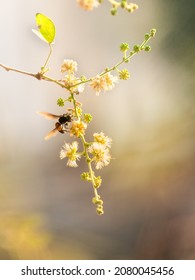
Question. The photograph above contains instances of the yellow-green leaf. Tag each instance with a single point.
(46, 28)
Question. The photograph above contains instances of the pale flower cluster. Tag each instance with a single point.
(102, 139)
(69, 65)
(78, 128)
(105, 82)
(88, 5)
(70, 80)
(70, 151)
(100, 150)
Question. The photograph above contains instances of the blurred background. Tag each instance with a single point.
(149, 187)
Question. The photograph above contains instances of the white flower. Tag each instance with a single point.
(101, 154)
(69, 65)
(102, 139)
(70, 151)
(72, 81)
(88, 4)
(110, 81)
(98, 84)
(105, 82)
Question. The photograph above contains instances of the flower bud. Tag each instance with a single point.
(147, 48)
(124, 74)
(60, 102)
(153, 32)
(136, 48)
(124, 47)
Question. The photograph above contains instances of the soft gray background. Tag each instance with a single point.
(148, 189)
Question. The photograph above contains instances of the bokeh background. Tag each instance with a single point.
(149, 187)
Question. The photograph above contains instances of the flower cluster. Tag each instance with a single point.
(96, 153)
(105, 82)
(70, 151)
(100, 150)
(73, 121)
(69, 66)
(70, 80)
(89, 5)
(78, 128)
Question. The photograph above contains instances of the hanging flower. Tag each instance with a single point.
(78, 128)
(70, 151)
(102, 139)
(101, 155)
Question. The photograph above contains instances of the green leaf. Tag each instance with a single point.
(46, 28)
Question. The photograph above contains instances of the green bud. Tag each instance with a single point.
(83, 78)
(79, 111)
(147, 48)
(87, 118)
(126, 60)
(147, 36)
(99, 210)
(124, 47)
(60, 102)
(69, 99)
(97, 181)
(153, 32)
(85, 176)
(124, 74)
(130, 10)
(97, 201)
(136, 48)
(123, 4)
(113, 11)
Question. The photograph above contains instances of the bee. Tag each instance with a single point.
(60, 125)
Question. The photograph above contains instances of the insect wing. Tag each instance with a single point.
(48, 115)
(52, 133)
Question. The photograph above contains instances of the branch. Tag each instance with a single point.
(38, 76)
(7, 68)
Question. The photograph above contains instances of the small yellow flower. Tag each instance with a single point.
(69, 65)
(78, 128)
(124, 74)
(102, 139)
(70, 151)
(88, 5)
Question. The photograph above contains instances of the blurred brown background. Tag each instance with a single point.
(149, 188)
